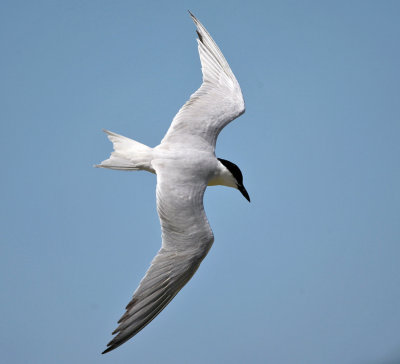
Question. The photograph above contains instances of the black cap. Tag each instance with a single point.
(237, 174)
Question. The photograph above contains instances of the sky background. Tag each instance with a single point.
(308, 272)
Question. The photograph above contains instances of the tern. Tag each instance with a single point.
(185, 164)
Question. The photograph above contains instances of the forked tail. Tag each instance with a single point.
(128, 154)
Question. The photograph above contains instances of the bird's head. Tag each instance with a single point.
(237, 177)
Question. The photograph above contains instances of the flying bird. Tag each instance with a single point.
(185, 164)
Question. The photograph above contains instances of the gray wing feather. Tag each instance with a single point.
(217, 102)
(186, 239)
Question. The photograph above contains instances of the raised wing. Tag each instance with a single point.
(186, 239)
(217, 102)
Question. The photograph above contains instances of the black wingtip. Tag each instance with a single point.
(196, 22)
(200, 36)
(193, 17)
(106, 351)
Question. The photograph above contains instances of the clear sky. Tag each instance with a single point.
(308, 272)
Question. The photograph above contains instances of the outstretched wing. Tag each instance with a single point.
(186, 239)
(217, 102)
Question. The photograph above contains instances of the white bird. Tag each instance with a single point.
(185, 164)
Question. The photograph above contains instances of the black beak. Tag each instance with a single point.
(244, 192)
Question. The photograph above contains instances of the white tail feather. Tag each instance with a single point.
(128, 154)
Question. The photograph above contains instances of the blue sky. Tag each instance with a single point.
(308, 272)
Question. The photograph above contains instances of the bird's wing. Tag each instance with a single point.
(186, 239)
(217, 102)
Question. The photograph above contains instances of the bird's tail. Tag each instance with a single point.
(128, 154)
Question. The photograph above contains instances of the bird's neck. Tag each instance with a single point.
(222, 177)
